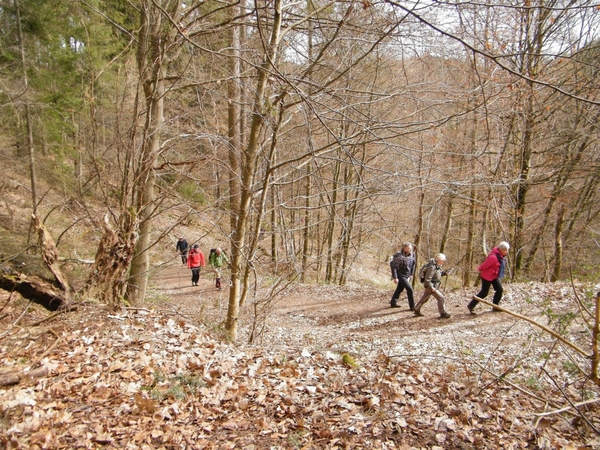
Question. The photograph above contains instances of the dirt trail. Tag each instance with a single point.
(351, 319)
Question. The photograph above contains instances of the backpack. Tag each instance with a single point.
(397, 262)
(423, 270)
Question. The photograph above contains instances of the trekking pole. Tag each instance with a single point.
(448, 272)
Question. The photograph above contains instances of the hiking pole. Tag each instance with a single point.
(448, 272)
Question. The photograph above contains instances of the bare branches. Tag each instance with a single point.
(539, 325)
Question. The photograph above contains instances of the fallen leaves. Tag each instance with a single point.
(144, 380)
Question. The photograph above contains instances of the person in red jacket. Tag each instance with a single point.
(492, 271)
(195, 261)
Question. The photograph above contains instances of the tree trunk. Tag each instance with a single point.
(420, 214)
(470, 238)
(50, 255)
(153, 39)
(447, 225)
(330, 233)
(307, 222)
(522, 188)
(108, 275)
(274, 226)
(248, 173)
(558, 244)
(29, 125)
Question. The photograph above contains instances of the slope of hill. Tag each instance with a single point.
(330, 367)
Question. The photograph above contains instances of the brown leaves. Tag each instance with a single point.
(145, 405)
(147, 381)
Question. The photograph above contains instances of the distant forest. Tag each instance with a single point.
(305, 136)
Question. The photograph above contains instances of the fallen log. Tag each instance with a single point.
(33, 288)
(14, 377)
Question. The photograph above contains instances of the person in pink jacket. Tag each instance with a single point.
(492, 271)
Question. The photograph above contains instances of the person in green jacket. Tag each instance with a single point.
(216, 259)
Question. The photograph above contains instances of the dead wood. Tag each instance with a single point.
(16, 376)
(71, 307)
(33, 288)
(113, 259)
(50, 254)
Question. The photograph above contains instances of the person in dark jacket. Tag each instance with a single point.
(195, 261)
(433, 277)
(182, 249)
(403, 268)
(492, 271)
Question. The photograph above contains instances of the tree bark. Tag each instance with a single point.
(31, 153)
(558, 244)
(50, 254)
(154, 39)
(15, 376)
(248, 174)
(108, 276)
(470, 244)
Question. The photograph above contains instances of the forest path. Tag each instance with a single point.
(357, 320)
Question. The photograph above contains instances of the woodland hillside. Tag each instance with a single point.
(303, 138)
(329, 367)
(307, 140)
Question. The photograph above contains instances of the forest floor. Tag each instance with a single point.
(328, 367)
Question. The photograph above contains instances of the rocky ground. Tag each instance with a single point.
(313, 367)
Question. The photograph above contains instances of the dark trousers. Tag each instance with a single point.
(184, 258)
(195, 274)
(404, 283)
(485, 288)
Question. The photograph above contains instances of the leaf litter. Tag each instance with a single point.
(164, 378)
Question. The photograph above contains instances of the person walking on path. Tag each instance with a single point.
(216, 259)
(433, 276)
(182, 249)
(402, 266)
(195, 261)
(492, 271)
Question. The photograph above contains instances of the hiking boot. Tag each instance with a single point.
(471, 310)
(445, 316)
(412, 308)
(418, 313)
(394, 305)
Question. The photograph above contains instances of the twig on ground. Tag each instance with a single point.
(48, 350)
(452, 358)
(50, 317)
(16, 322)
(566, 408)
(566, 397)
(580, 305)
(537, 324)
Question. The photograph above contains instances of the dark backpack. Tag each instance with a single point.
(423, 270)
(398, 261)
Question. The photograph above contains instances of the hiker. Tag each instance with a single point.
(216, 260)
(432, 277)
(492, 271)
(402, 266)
(195, 261)
(182, 249)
